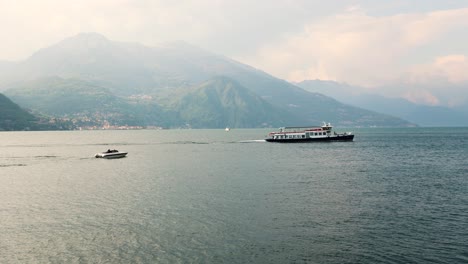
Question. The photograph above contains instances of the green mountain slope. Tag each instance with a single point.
(216, 103)
(62, 96)
(71, 98)
(12, 117)
(222, 102)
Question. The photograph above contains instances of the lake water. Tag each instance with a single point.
(210, 196)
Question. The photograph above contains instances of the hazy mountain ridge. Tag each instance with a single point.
(131, 70)
(423, 115)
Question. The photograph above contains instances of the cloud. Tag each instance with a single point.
(421, 97)
(365, 50)
(443, 81)
(226, 27)
(445, 69)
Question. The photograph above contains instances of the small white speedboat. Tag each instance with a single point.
(111, 154)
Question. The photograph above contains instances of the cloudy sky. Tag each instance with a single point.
(416, 49)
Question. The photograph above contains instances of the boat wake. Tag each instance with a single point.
(12, 165)
(184, 142)
(252, 141)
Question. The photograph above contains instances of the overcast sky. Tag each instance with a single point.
(417, 49)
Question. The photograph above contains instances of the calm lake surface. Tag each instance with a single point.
(210, 196)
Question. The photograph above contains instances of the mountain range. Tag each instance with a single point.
(423, 115)
(88, 77)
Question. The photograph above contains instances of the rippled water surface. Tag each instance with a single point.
(210, 196)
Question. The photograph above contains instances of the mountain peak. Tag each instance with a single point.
(87, 40)
(81, 42)
(90, 36)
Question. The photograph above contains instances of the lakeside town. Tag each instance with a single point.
(88, 123)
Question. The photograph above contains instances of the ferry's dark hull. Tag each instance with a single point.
(304, 140)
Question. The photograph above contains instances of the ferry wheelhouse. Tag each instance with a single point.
(308, 134)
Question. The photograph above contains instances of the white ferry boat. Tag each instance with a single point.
(308, 134)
